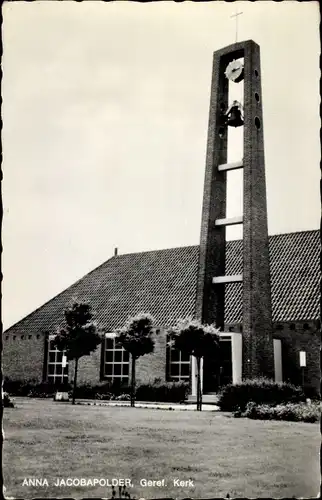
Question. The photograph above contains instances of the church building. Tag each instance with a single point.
(164, 283)
(261, 291)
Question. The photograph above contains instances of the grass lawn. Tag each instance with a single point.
(242, 457)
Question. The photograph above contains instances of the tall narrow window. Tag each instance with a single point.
(178, 365)
(57, 373)
(116, 360)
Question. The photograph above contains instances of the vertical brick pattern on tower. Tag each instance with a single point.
(210, 299)
(257, 322)
(257, 315)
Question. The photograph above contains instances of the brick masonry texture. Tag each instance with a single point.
(148, 367)
(25, 358)
(153, 366)
(210, 300)
(257, 311)
(88, 368)
(296, 337)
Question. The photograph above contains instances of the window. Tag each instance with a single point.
(116, 360)
(178, 365)
(56, 372)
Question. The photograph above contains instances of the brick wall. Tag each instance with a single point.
(152, 366)
(148, 367)
(88, 368)
(296, 336)
(23, 356)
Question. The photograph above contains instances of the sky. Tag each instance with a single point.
(105, 114)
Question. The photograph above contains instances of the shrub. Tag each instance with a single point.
(295, 412)
(104, 397)
(47, 390)
(105, 391)
(18, 387)
(7, 401)
(260, 391)
(171, 392)
(33, 388)
(156, 391)
(123, 397)
(312, 393)
(85, 391)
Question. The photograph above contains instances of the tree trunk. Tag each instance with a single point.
(133, 382)
(198, 385)
(75, 380)
(200, 388)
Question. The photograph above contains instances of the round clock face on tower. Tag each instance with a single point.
(235, 71)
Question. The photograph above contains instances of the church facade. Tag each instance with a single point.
(164, 283)
(262, 292)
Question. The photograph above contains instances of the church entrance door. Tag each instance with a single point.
(226, 365)
(217, 370)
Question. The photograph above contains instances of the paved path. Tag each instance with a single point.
(146, 404)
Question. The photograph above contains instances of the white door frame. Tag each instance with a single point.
(278, 367)
(194, 375)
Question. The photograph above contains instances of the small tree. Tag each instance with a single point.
(136, 338)
(79, 338)
(192, 337)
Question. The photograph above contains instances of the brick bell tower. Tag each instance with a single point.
(237, 62)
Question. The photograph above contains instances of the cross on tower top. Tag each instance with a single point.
(236, 18)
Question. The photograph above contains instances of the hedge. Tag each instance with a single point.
(155, 391)
(259, 391)
(32, 388)
(107, 390)
(295, 412)
(170, 392)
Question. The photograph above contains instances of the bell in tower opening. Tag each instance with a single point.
(235, 115)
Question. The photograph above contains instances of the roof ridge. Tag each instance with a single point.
(295, 232)
(228, 241)
(158, 250)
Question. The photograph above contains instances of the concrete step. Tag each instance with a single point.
(209, 399)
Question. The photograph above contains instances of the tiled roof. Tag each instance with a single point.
(295, 277)
(163, 282)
